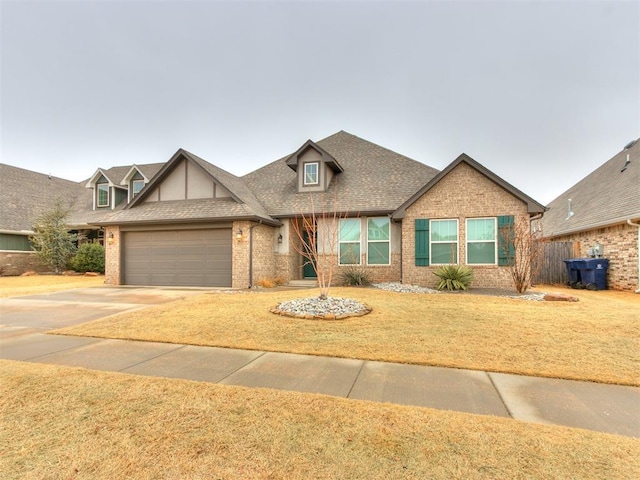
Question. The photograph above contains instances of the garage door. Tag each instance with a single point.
(198, 258)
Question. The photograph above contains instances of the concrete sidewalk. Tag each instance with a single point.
(605, 408)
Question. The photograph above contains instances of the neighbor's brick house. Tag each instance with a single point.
(603, 209)
(192, 223)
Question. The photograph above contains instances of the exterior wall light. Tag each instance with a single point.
(280, 238)
(110, 238)
(239, 235)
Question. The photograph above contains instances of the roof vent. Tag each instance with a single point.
(569, 211)
(626, 164)
(630, 144)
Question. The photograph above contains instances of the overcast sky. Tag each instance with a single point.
(539, 92)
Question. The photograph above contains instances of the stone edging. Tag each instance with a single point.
(327, 316)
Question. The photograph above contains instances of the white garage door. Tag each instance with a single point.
(197, 258)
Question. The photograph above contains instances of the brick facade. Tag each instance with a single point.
(14, 263)
(112, 252)
(463, 193)
(620, 244)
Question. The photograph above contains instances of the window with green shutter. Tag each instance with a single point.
(506, 248)
(422, 242)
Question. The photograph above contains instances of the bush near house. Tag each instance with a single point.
(454, 277)
(355, 276)
(89, 258)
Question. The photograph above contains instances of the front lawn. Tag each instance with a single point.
(594, 339)
(66, 423)
(38, 284)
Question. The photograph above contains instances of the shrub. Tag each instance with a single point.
(355, 276)
(271, 282)
(454, 277)
(89, 258)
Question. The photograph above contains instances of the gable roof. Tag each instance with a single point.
(373, 180)
(607, 196)
(148, 171)
(532, 205)
(242, 205)
(25, 194)
(327, 158)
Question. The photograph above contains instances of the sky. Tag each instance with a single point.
(539, 92)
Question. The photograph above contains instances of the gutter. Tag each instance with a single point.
(637, 225)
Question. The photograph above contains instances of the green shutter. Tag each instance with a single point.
(422, 242)
(506, 249)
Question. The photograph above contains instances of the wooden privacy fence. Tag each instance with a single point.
(548, 265)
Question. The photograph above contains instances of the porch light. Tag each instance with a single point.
(239, 235)
(110, 239)
(280, 238)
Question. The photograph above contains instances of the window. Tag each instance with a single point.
(481, 241)
(103, 194)
(378, 241)
(136, 186)
(349, 241)
(311, 173)
(443, 242)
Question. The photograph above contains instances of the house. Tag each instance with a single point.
(25, 194)
(601, 215)
(195, 224)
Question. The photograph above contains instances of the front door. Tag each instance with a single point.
(307, 269)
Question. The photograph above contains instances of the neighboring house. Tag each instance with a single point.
(24, 195)
(194, 224)
(601, 215)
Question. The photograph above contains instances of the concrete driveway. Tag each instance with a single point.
(20, 315)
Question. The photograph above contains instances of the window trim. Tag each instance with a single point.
(98, 189)
(317, 174)
(441, 242)
(387, 241)
(359, 241)
(133, 190)
(494, 241)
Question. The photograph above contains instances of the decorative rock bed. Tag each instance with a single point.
(333, 308)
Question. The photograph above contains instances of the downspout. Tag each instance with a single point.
(637, 225)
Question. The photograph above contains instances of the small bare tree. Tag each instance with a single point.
(521, 248)
(316, 240)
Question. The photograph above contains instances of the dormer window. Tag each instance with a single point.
(314, 168)
(103, 194)
(136, 186)
(311, 173)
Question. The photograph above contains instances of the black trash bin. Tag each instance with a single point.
(590, 273)
(593, 272)
(573, 273)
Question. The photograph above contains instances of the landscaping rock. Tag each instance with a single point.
(91, 274)
(314, 308)
(559, 297)
(403, 288)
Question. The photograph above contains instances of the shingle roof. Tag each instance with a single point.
(606, 196)
(182, 211)
(374, 179)
(25, 194)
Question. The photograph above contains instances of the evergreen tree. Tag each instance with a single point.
(51, 240)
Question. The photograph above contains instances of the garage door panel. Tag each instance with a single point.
(200, 257)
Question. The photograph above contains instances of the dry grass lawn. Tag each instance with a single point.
(66, 423)
(36, 284)
(594, 339)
